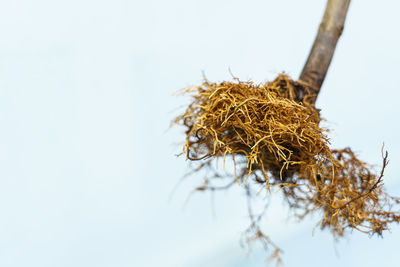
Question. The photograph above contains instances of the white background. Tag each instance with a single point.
(87, 163)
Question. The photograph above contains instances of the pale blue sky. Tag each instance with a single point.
(87, 164)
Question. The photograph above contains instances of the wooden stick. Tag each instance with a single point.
(321, 54)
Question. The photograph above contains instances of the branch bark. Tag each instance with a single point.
(319, 59)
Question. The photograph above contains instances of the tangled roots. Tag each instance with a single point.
(272, 133)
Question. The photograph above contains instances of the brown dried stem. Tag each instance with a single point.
(321, 54)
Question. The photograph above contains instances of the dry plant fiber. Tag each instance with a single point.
(272, 134)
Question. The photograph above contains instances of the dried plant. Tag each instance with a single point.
(272, 134)
(274, 138)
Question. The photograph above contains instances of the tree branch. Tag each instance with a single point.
(321, 54)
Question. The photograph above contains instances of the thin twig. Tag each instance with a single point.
(321, 54)
(378, 181)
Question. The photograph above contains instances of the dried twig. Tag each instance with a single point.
(321, 54)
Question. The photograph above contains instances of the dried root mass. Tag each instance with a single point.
(273, 135)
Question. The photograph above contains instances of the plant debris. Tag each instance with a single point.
(272, 134)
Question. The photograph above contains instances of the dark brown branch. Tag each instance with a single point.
(374, 186)
(321, 54)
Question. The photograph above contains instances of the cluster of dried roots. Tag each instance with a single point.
(272, 134)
